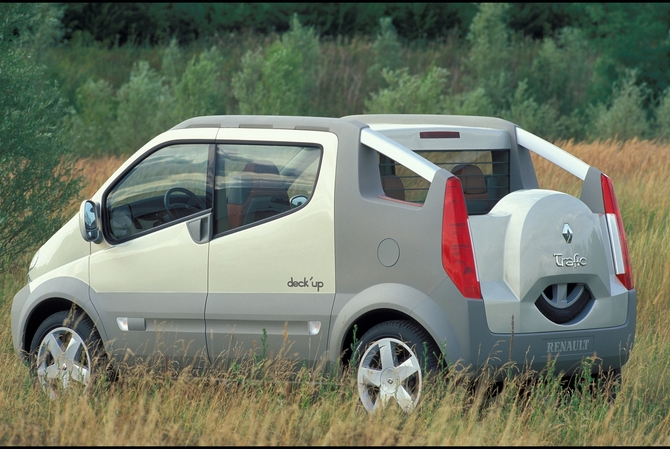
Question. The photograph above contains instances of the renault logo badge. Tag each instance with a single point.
(567, 233)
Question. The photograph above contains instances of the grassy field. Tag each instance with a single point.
(155, 409)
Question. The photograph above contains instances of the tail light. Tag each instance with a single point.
(617, 234)
(458, 256)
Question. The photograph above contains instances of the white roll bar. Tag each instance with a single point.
(552, 153)
(402, 155)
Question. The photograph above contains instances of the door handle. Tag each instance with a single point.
(200, 228)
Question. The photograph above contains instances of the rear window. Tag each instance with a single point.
(484, 176)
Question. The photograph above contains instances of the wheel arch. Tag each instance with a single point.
(387, 302)
(56, 295)
(364, 323)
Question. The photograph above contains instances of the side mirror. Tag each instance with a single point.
(89, 222)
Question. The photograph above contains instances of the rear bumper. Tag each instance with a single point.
(608, 348)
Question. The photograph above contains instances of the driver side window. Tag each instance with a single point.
(168, 185)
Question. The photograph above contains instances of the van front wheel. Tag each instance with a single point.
(66, 353)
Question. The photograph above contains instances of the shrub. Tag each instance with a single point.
(540, 119)
(200, 88)
(91, 127)
(474, 102)
(37, 175)
(489, 59)
(386, 47)
(662, 113)
(626, 117)
(560, 69)
(283, 78)
(171, 61)
(146, 109)
(410, 94)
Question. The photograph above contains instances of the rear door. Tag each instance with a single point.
(271, 260)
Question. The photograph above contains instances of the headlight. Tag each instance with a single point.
(33, 262)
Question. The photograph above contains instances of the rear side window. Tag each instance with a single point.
(484, 176)
(256, 182)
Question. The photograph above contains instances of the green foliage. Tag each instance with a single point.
(410, 94)
(540, 119)
(543, 20)
(549, 84)
(37, 176)
(171, 61)
(387, 48)
(111, 121)
(280, 80)
(156, 23)
(248, 85)
(304, 40)
(489, 60)
(474, 102)
(92, 126)
(629, 35)
(626, 116)
(663, 116)
(46, 28)
(561, 69)
(200, 88)
(146, 109)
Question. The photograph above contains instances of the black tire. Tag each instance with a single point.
(411, 355)
(562, 303)
(66, 353)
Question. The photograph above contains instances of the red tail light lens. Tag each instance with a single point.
(458, 257)
(617, 234)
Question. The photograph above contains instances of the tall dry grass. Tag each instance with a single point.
(157, 409)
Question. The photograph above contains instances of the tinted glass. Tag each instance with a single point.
(257, 182)
(168, 185)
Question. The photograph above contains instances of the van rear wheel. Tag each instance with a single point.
(395, 357)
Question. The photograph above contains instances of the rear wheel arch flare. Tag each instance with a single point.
(367, 321)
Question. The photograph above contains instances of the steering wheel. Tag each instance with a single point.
(187, 206)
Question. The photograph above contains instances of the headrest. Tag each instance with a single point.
(472, 178)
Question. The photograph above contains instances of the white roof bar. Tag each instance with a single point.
(552, 153)
(399, 153)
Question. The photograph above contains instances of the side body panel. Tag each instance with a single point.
(384, 245)
(158, 282)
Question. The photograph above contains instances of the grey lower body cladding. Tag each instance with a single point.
(608, 348)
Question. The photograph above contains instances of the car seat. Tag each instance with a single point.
(256, 193)
(474, 187)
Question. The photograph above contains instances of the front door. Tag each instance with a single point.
(149, 275)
